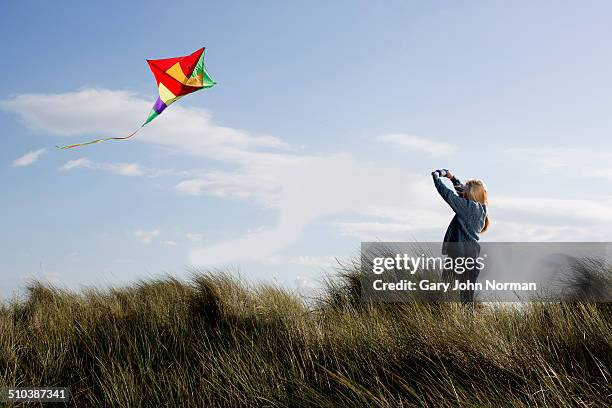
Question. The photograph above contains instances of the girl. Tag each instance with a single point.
(470, 220)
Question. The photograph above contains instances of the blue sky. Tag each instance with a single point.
(322, 132)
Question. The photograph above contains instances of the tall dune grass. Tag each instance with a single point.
(214, 341)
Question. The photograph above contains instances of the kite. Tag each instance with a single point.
(176, 77)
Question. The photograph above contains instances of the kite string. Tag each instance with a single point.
(99, 140)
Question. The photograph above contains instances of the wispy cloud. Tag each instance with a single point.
(300, 188)
(580, 211)
(169, 242)
(305, 188)
(194, 236)
(573, 162)
(603, 173)
(123, 169)
(146, 236)
(417, 144)
(302, 260)
(28, 158)
(513, 219)
(255, 185)
(93, 111)
(306, 285)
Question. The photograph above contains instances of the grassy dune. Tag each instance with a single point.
(216, 342)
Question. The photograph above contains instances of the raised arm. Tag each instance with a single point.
(453, 200)
(459, 187)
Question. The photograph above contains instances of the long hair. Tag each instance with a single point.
(476, 190)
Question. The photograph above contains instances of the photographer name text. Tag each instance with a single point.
(404, 284)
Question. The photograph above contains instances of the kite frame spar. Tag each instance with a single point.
(176, 77)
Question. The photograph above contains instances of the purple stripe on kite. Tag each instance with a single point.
(159, 106)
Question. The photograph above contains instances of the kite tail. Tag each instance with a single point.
(100, 140)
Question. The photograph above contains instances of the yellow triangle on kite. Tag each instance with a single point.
(176, 72)
(165, 95)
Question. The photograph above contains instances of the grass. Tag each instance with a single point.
(214, 341)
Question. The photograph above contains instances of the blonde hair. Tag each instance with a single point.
(476, 190)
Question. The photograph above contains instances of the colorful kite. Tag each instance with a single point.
(176, 77)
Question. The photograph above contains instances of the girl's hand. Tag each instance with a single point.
(444, 173)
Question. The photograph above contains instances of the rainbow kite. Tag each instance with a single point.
(176, 77)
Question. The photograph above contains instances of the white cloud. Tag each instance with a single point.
(307, 286)
(417, 144)
(426, 218)
(570, 210)
(603, 173)
(302, 188)
(194, 237)
(301, 260)
(225, 184)
(28, 158)
(571, 162)
(512, 219)
(123, 169)
(126, 169)
(375, 200)
(376, 230)
(307, 188)
(515, 230)
(169, 243)
(75, 164)
(116, 113)
(145, 236)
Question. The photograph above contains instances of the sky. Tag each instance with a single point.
(322, 132)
